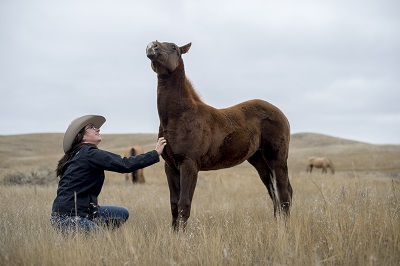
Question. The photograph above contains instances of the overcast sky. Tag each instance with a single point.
(333, 67)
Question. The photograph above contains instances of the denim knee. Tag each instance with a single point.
(67, 224)
(113, 216)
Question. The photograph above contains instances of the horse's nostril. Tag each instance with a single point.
(152, 56)
(149, 46)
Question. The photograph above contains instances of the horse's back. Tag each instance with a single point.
(255, 108)
(319, 161)
(259, 116)
(311, 159)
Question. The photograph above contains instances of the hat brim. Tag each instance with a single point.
(76, 125)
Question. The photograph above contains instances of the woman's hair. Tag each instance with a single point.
(76, 146)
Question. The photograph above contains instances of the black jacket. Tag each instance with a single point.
(85, 176)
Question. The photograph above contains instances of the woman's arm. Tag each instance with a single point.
(109, 161)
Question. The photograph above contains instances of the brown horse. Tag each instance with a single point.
(320, 162)
(201, 137)
(138, 175)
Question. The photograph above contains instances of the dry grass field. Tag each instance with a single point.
(350, 218)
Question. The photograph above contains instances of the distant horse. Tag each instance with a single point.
(320, 162)
(201, 137)
(138, 175)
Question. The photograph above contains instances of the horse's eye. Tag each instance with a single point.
(174, 47)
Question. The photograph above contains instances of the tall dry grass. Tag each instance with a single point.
(335, 220)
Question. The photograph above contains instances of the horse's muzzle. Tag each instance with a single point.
(152, 50)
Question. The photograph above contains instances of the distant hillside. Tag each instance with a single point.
(33, 151)
(302, 140)
(347, 155)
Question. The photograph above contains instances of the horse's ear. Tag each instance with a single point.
(184, 49)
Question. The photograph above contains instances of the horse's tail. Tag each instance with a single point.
(133, 152)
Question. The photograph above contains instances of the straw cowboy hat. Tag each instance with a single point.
(77, 124)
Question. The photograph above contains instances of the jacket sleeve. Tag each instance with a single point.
(109, 161)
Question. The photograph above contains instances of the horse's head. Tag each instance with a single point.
(165, 57)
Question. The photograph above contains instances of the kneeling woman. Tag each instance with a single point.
(81, 172)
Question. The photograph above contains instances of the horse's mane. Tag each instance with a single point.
(193, 92)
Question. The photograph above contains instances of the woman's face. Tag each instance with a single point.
(92, 135)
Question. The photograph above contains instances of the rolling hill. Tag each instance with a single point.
(34, 151)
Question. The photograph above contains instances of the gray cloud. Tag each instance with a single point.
(332, 67)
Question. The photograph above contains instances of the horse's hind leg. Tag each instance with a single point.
(274, 175)
(265, 175)
(284, 188)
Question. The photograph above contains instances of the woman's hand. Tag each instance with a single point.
(160, 145)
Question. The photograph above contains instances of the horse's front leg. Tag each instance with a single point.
(188, 180)
(173, 178)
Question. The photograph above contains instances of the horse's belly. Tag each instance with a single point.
(232, 152)
(220, 165)
(224, 160)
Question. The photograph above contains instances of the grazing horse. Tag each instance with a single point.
(201, 137)
(136, 176)
(320, 162)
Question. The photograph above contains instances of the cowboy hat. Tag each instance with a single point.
(77, 124)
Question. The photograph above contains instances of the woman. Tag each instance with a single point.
(81, 172)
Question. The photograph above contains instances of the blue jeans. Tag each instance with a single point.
(107, 217)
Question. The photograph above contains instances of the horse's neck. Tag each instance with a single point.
(175, 94)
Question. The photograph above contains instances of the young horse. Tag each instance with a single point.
(202, 138)
(320, 162)
(138, 175)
